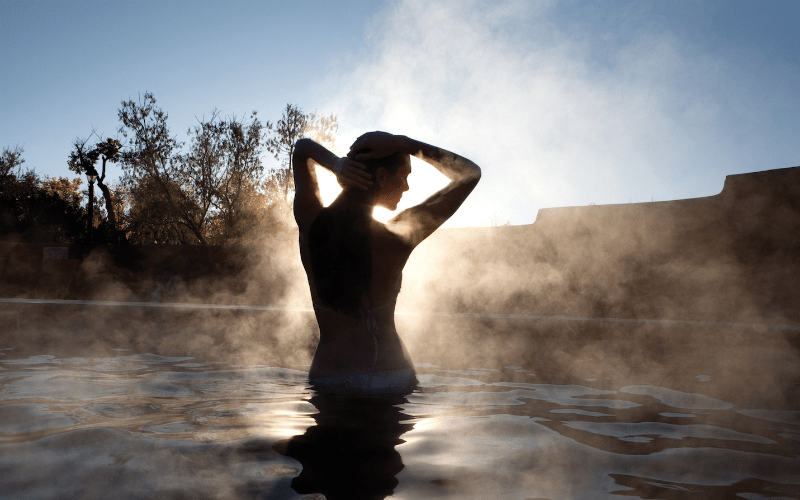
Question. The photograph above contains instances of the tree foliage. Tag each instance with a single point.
(38, 210)
(11, 161)
(211, 189)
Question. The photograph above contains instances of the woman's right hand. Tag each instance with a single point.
(380, 144)
(351, 173)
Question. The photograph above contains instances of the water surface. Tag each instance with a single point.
(146, 426)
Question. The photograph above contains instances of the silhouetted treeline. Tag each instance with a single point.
(214, 190)
(38, 209)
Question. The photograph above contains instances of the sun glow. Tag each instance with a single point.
(286, 422)
(423, 182)
(329, 188)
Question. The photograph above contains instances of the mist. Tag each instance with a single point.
(601, 347)
(642, 290)
(565, 104)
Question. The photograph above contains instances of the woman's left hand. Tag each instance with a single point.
(351, 173)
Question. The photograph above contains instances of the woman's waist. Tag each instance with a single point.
(399, 381)
(382, 317)
(378, 308)
(355, 332)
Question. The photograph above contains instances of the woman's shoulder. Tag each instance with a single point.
(389, 243)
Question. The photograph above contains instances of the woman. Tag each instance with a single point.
(354, 263)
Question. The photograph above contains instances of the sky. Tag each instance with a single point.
(561, 103)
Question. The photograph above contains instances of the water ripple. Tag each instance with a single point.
(141, 424)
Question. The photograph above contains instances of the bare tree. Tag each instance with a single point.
(108, 150)
(81, 161)
(294, 125)
(223, 167)
(152, 172)
(200, 196)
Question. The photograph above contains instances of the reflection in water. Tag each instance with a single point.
(350, 452)
(145, 426)
(665, 490)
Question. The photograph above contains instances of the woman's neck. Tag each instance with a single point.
(361, 201)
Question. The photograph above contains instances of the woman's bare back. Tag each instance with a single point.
(369, 343)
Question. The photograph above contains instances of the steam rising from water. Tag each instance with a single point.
(566, 107)
(526, 402)
(722, 259)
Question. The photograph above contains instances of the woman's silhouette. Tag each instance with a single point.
(354, 263)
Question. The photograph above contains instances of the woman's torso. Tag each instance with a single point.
(369, 343)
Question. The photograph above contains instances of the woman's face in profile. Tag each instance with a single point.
(392, 189)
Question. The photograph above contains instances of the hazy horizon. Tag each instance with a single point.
(560, 103)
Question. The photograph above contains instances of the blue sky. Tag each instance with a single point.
(560, 102)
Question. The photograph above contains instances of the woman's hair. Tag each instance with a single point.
(341, 246)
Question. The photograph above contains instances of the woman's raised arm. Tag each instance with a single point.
(307, 200)
(418, 222)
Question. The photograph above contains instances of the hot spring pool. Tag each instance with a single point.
(146, 426)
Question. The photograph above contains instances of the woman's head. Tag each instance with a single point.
(389, 178)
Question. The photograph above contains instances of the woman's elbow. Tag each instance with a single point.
(472, 177)
(475, 173)
(301, 151)
(302, 146)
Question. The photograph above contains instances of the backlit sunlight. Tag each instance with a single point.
(423, 182)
